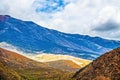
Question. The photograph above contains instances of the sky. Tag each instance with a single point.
(88, 17)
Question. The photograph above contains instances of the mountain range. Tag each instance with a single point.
(30, 37)
(47, 54)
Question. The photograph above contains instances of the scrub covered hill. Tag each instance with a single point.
(106, 67)
(14, 66)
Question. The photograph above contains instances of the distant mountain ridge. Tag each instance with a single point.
(31, 37)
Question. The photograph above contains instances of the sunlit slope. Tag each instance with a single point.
(62, 62)
(64, 65)
(53, 57)
(14, 66)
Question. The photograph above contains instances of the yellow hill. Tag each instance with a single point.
(53, 57)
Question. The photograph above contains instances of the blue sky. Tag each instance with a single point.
(88, 17)
(49, 6)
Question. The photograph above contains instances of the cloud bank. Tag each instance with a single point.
(88, 17)
(108, 26)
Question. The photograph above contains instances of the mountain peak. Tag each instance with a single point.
(106, 67)
(3, 17)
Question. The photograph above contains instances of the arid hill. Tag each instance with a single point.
(14, 66)
(64, 65)
(64, 59)
(106, 67)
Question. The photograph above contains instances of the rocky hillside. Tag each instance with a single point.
(106, 67)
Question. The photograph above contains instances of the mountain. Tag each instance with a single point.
(106, 67)
(10, 47)
(14, 66)
(30, 37)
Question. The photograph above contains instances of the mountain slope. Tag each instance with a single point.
(31, 37)
(64, 65)
(106, 67)
(17, 67)
(7, 73)
(53, 57)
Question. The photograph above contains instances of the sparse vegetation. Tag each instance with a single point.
(106, 67)
(17, 67)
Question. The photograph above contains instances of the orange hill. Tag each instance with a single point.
(14, 66)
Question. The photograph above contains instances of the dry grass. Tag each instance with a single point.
(53, 57)
(106, 67)
(18, 67)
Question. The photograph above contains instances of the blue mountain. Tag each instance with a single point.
(31, 37)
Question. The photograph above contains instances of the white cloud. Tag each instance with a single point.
(79, 16)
